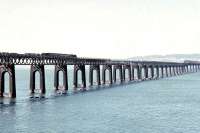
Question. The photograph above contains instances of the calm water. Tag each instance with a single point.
(169, 105)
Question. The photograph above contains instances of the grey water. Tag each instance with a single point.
(170, 105)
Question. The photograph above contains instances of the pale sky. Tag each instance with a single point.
(100, 28)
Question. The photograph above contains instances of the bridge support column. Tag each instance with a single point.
(184, 69)
(180, 70)
(133, 72)
(162, 72)
(146, 71)
(191, 70)
(63, 69)
(170, 71)
(166, 71)
(40, 69)
(109, 68)
(196, 68)
(152, 72)
(10, 68)
(139, 74)
(80, 67)
(187, 70)
(97, 69)
(177, 70)
(128, 67)
(157, 72)
(119, 67)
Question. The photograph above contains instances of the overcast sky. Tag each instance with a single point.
(100, 28)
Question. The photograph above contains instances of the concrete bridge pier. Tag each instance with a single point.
(191, 68)
(174, 70)
(166, 71)
(177, 70)
(196, 68)
(133, 72)
(63, 69)
(146, 72)
(182, 70)
(80, 67)
(10, 68)
(92, 69)
(152, 72)
(109, 68)
(127, 67)
(115, 68)
(37, 68)
(162, 72)
(170, 71)
(139, 74)
(187, 68)
(157, 72)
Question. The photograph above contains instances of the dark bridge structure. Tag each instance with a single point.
(136, 70)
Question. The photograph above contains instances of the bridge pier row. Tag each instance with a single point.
(80, 67)
(10, 68)
(109, 68)
(37, 68)
(127, 67)
(63, 69)
(115, 68)
(92, 69)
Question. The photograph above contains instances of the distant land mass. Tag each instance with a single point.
(170, 57)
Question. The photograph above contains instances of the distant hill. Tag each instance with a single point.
(171, 57)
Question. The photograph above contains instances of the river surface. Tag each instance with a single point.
(170, 105)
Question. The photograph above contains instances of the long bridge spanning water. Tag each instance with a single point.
(136, 70)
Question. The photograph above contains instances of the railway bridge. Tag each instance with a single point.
(136, 70)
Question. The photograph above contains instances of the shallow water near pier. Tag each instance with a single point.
(170, 105)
